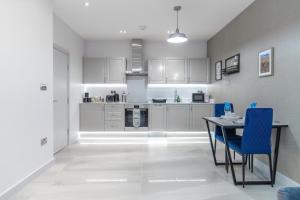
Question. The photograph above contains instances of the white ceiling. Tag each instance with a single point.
(103, 19)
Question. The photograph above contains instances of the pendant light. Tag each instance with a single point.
(177, 37)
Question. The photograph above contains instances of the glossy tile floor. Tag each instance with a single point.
(138, 169)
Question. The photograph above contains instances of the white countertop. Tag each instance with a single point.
(151, 103)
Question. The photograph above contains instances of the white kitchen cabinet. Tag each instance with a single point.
(198, 111)
(94, 70)
(178, 117)
(114, 117)
(176, 70)
(104, 70)
(115, 70)
(157, 117)
(198, 70)
(156, 70)
(91, 117)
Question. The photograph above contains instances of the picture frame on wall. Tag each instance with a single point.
(266, 63)
(218, 70)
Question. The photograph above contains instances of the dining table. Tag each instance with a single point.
(229, 123)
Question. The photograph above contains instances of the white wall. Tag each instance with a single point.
(72, 43)
(25, 111)
(152, 49)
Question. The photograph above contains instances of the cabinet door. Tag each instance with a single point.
(178, 117)
(176, 70)
(197, 113)
(158, 114)
(115, 70)
(94, 70)
(198, 70)
(156, 71)
(91, 117)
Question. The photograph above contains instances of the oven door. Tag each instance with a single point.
(129, 118)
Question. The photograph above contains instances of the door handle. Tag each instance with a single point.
(55, 100)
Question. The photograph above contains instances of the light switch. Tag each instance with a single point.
(43, 87)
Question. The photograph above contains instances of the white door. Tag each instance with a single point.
(198, 70)
(156, 71)
(158, 115)
(60, 100)
(116, 70)
(178, 117)
(176, 70)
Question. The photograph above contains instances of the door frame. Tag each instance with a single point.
(66, 52)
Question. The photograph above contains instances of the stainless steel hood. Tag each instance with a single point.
(137, 66)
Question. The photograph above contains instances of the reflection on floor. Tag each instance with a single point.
(139, 168)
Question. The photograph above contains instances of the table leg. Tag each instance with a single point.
(211, 142)
(229, 155)
(276, 152)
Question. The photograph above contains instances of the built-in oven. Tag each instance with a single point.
(136, 117)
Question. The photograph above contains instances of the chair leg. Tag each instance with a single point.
(249, 164)
(252, 163)
(243, 165)
(215, 144)
(271, 170)
(226, 160)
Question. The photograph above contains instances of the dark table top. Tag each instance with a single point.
(231, 123)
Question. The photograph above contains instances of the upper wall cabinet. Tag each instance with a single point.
(94, 70)
(156, 70)
(176, 70)
(179, 70)
(198, 70)
(115, 70)
(104, 70)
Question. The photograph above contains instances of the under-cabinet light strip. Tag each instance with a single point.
(178, 85)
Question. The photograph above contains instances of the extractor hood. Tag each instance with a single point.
(137, 67)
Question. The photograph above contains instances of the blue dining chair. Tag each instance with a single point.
(256, 137)
(231, 133)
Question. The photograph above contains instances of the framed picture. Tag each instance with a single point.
(218, 70)
(265, 63)
(232, 64)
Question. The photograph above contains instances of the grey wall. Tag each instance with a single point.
(266, 23)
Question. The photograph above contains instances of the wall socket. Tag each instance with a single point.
(44, 141)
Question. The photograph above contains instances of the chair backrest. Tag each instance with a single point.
(219, 111)
(257, 132)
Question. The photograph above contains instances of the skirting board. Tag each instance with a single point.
(281, 180)
(20, 184)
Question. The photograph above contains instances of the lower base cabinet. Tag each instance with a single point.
(197, 113)
(178, 117)
(91, 117)
(157, 117)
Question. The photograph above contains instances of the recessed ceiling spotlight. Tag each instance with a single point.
(86, 4)
(123, 31)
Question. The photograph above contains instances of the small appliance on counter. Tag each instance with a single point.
(87, 98)
(124, 97)
(198, 97)
(159, 100)
(113, 97)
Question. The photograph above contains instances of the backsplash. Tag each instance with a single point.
(185, 93)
